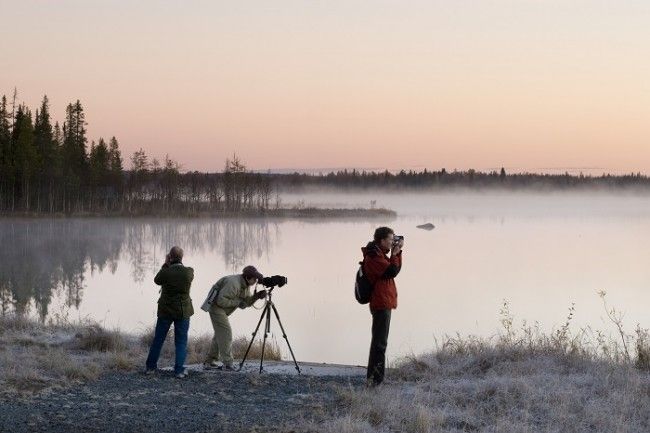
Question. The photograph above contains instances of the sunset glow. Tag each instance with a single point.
(529, 85)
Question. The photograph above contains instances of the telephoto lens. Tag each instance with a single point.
(275, 280)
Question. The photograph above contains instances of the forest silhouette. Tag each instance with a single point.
(48, 168)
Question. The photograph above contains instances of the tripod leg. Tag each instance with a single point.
(267, 329)
(284, 334)
(265, 312)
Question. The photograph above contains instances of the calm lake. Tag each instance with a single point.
(540, 252)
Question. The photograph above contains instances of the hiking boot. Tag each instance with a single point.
(210, 365)
(149, 371)
(226, 367)
(181, 375)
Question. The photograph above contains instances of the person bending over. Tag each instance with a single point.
(225, 296)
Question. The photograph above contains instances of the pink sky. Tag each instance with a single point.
(527, 84)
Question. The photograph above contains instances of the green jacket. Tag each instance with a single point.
(233, 292)
(175, 301)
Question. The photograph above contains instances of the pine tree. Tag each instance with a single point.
(115, 166)
(115, 157)
(74, 154)
(139, 172)
(47, 151)
(139, 161)
(100, 164)
(25, 154)
(6, 167)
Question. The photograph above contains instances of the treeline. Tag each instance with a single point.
(48, 168)
(442, 179)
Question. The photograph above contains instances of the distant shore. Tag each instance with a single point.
(288, 213)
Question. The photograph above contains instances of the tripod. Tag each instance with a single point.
(266, 313)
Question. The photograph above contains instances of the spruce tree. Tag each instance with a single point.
(115, 157)
(74, 155)
(6, 169)
(25, 154)
(99, 164)
(115, 167)
(47, 149)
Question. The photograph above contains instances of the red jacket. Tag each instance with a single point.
(381, 272)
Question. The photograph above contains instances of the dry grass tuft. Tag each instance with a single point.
(198, 347)
(26, 381)
(272, 350)
(123, 361)
(537, 393)
(522, 380)
(35, 356)
(94, 338)
(15, 323)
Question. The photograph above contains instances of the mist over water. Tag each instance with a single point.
(541, 252)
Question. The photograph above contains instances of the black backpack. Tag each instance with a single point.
(362, 287)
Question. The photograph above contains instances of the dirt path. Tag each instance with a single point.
(202, 402)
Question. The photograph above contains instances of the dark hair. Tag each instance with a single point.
(176, 254)
(382, 233)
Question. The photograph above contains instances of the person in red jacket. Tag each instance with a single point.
(381, 270)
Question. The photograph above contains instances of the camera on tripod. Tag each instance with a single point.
(270, 283)
(275, 280)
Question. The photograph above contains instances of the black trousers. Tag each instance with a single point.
(378, 344)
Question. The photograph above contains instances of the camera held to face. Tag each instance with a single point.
(397, 239)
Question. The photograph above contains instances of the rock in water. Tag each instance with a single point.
(427, 226)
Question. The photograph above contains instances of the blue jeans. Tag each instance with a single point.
(181, 326)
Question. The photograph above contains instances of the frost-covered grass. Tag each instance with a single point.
(36, 356)
(522, 380)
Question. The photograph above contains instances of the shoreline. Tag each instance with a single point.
(67, 376)
(62, 377)
(290, 213)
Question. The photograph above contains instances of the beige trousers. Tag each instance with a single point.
(221, 348)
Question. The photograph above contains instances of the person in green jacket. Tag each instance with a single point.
(174, 306)
(226, 295)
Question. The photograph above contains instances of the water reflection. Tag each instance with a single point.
(47, 259)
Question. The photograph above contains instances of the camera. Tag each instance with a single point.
(397, 239)
(275, 280)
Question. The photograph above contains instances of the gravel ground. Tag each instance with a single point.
(202, 402)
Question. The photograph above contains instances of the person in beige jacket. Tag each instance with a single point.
(226, 295)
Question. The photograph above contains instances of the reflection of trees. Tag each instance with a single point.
(238, 241)
(139, 253)
(242, 242)
(42, 260)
